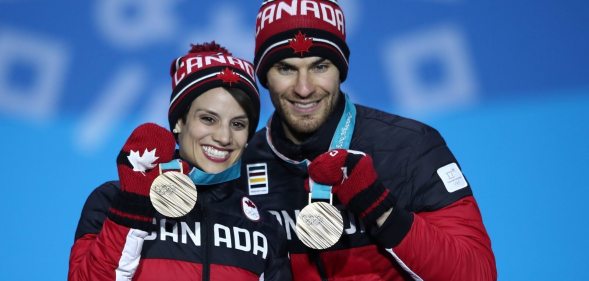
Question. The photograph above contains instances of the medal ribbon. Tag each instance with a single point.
(200, 177)
(341, 139)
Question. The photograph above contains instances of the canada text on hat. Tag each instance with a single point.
(328, 13)
(300, 28)
(204, 67)
(191, 64)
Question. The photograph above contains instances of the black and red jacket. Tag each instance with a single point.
(433, 233)
(220, 239)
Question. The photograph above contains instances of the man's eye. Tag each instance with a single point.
(283, 69)
(321, 67)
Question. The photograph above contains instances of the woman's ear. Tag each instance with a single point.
(178, 128)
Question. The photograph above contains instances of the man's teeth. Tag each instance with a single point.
(211, 151)
(305, 105)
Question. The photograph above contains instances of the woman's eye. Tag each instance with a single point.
(207, 119)
(239, 125)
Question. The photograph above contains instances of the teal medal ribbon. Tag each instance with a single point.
(319, 225)
(200, 177)
(341, 139)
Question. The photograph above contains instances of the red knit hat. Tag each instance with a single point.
(207, 66)
(293, 28)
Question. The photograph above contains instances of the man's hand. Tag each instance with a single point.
(354, 181)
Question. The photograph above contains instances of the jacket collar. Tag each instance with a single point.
(215, 191)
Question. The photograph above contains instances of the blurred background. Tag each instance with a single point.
(505, 82)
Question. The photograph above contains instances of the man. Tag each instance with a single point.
(408, 211)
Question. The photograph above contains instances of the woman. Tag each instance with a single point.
(213, 111)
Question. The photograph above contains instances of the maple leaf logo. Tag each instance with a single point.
(249, 209)
(228, 76)
(141, 163)
(301, 43)
(250, 204)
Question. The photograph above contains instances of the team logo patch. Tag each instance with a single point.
(249, 209)
(452, 177)
(257, 175)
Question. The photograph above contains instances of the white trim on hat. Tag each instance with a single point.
(250, 82)
(335, 46)
(192, 83)
(178, 63)
(283, 42)
(268, 49)
(209, 76)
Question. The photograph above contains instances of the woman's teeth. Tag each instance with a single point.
(212, 152)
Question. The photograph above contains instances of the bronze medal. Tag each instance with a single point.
(319, 225)
(173, 194)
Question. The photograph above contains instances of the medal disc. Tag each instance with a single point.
(173, 194)
(319, 225)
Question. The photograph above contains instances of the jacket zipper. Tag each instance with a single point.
(205, 231)
(315, 255)
(321, 271)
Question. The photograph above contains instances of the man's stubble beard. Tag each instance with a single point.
(298, 129)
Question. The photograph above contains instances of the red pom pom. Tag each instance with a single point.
(210, 47)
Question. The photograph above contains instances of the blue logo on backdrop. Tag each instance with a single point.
(77, 76)
(107, 63)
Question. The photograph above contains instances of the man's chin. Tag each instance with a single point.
(303, 125)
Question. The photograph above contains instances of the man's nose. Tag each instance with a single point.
(304, 84)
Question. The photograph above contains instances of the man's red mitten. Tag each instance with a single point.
(354, 181)
(137, 164)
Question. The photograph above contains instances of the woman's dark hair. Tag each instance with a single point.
(252, 110)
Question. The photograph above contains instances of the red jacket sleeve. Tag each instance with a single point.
(447, 244)
(103, 249)
(112, 254)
